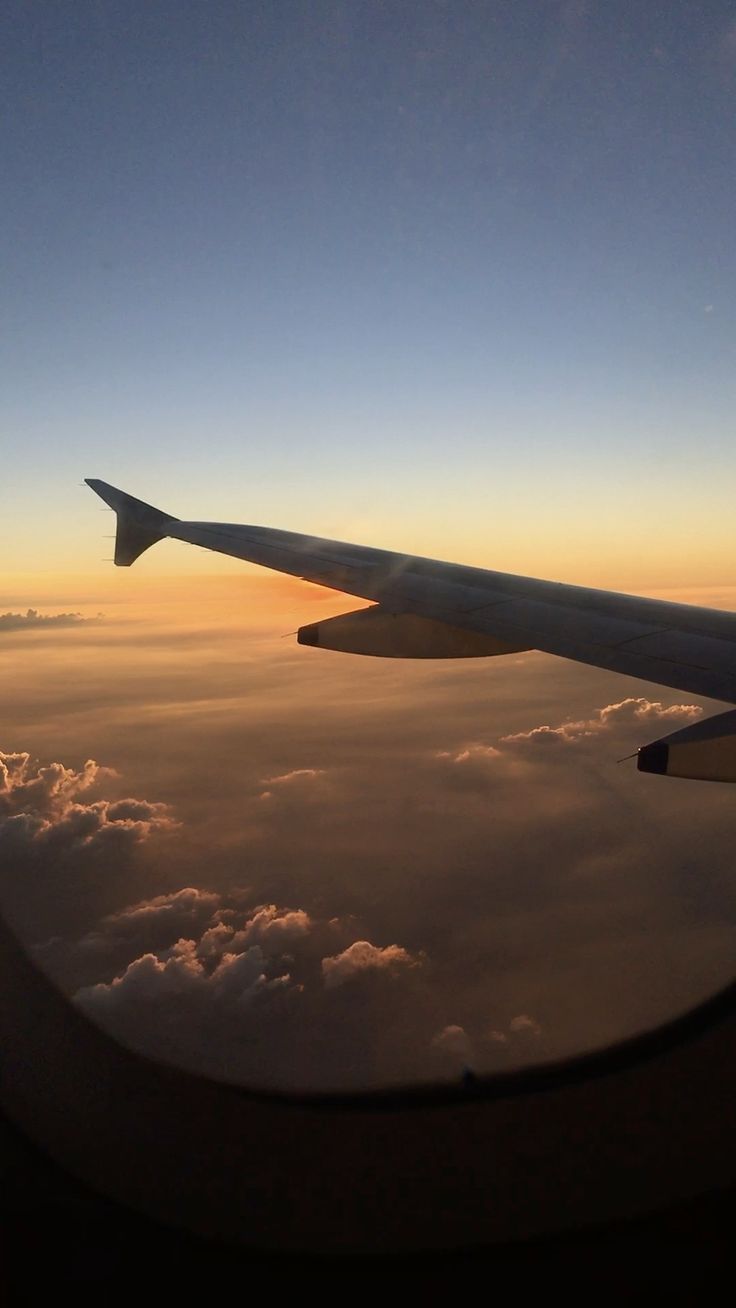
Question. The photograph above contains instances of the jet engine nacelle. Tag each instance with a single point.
(705, 751)
(383, 634)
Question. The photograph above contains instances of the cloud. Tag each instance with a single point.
(563, 894)
(296, 777)
(610, 718)
(496, 1037)
(295, 785)
(44, 805)
(32, 619)
(491, 1048)
(362, 957)
(213, 997)
(274, 926)
(453, 1040)
(160, 919)
(476, 767)
(524, 1025)
(156, 979)
(473, 754)
(217, 923)
(221, 962)
(44, 791)
(68, 845)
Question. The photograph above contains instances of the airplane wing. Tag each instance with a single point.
(424, 608)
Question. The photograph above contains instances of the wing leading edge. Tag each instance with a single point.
(677, 645)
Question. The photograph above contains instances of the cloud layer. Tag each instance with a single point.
(311, 871)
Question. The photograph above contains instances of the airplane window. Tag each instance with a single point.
(450, 280)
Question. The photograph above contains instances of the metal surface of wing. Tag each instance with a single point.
(679, 645)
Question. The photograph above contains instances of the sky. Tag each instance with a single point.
(455, 279)
(450, 278)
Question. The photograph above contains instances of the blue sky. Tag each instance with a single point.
(456, 278)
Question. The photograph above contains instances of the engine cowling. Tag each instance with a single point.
(381, 634)
(704, 751)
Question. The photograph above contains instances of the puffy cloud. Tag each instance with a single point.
(163, 917)
(225, 997)
(44, 805)
(361, 957)
(274, 926)
(496, 1037)
(241, 977)
(627, 711)
(44, 790)
(215, 940)
(198, 998)
(524, 1025)
(181, 973)
(210, 915)
(641, 709)
(453, 1040)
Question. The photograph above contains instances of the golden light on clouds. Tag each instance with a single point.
(458, 833)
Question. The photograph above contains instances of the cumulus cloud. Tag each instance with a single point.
(480, 765)
(497, 1037)
(453, 1040)
(362, 957)
(225, 964)
(457, 1042)
(46, 805)
(226, 997)
(156, 921)
(524, 1025)
(32, 618)
(181, 973)
(613, 716)
(216, 923)
(273, 925)
(42, 790)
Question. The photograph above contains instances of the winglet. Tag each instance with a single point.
(139, 524)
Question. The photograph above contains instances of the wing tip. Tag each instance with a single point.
(139, 525)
